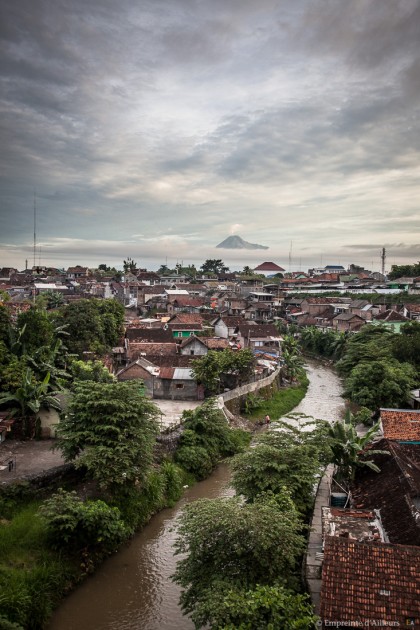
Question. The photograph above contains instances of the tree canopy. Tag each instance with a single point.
(216, 369)
(406, 271)
(381, 383)
(110, 428)
(214, 266)
(93, 325)
(231, 544)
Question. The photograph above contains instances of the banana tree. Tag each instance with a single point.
(29, 398)
(349, 450)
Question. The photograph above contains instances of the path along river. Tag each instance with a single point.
(132, 590)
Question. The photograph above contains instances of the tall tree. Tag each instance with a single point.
(110, 428)
(214, 265)
(384, 383)
(93, 325)
(129, 265)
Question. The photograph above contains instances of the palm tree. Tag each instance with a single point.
(29, 398)
(348, 449)
(338, 345)
(293, 362)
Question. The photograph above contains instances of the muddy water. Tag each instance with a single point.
(133, 590)
(323, 399)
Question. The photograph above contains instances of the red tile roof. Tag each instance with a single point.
(370, 582)
(268, 266)
(149, 335)
(401, 424)
(186, 318)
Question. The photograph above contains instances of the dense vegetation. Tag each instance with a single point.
(39, 354)
(379, 367)
(241, 556)
(405, 271)
(47, 544)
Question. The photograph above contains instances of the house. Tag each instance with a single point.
(394, 491)
(225, 325)
(185, 304)
(259, 337)
(193, 346)
(199, 346)
(268, 269)
(234, 305)
(177, 384)
(365, 584)
(259, 312)
(148, 341)
(77, 272)
(147, 292)
(347, 321)
(181, 331)
(148, 277)
(412, 311)
(362, 308)
(316, 305)
(390, 319)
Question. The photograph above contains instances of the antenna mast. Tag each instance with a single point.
(34, 228)
(383, 258)
(290, 257)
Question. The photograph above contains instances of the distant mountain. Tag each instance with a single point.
(236, 242)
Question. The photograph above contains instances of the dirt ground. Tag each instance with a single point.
(28, 457)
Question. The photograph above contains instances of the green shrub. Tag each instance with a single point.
(8, 625)
(196, 460)
(173, 476)
(72, 522)
(207, 438)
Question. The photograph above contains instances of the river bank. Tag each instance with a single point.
(133, 588)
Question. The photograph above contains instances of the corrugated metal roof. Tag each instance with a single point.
(184, 374)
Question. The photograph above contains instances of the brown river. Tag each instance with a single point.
(132, 590)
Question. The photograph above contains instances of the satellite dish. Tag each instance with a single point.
(165, 326)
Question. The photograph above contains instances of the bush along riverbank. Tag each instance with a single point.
(49, 543)
(242, 556)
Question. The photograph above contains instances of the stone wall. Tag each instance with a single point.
(234, 400)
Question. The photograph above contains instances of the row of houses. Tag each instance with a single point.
(370, 555)
(161, 352)
(344, 314)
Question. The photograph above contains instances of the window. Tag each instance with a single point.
(180, 334)
(179, 386)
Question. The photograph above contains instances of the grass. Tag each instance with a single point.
(32, 578)
(282, 402)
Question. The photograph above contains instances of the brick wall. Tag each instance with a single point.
(401, 424)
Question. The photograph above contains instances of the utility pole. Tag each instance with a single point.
(290, 257)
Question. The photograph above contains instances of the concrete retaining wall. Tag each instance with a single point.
(314, 554)
(232, 402)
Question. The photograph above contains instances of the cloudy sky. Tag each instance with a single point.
(156, 128)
